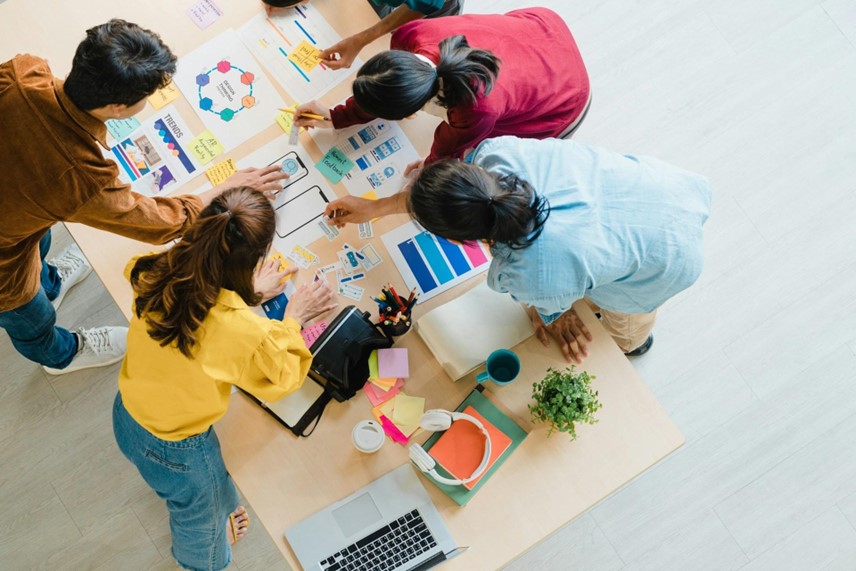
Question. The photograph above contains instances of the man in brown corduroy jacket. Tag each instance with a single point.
(51, 140)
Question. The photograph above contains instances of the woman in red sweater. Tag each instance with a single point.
(485, 75)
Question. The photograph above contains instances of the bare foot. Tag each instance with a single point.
(239, 523)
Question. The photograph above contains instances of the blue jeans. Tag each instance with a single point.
(32, 327)
(190, 475)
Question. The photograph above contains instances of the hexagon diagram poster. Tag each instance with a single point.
(228, 89)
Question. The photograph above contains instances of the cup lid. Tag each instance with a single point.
(367, 435)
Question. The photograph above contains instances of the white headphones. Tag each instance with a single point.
(435, 421)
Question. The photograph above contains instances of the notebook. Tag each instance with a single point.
(462, 333)
(476, 399)
(461, 448)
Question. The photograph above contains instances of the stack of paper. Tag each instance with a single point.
(396, 411)
(462, 333)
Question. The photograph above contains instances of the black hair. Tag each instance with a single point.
(396, 84)
(118, 63)
(466, 203)
(281, 3)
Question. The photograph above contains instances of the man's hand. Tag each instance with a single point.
(568, 330)
(314, 108)
(342, 54)
(269, 281)
(267, 179)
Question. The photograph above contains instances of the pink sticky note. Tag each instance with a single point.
(377, 395)
(392, 431)
(392, 363)
(313, 332)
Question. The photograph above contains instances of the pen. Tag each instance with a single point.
(315, 116)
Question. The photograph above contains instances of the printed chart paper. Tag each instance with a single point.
(432, 264)
(155, 158)
(287, 43)
(380, 150)
(300, 205)
(228, 89)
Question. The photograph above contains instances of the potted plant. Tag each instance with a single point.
(563, 398)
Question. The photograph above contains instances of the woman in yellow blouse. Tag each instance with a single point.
(192, 337)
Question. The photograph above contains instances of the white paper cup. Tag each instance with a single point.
(368, 436)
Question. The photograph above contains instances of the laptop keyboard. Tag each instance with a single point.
(388, 548)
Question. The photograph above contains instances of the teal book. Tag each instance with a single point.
(460, 494)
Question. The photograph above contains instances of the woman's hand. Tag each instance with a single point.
(342, 54)
(269, 281)
(314, 108)
(310, 301)
(351, 210)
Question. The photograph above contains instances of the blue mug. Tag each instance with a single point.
(503, 366)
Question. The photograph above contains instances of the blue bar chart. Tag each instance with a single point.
(432, 264)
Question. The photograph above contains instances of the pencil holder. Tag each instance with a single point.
(399, 328)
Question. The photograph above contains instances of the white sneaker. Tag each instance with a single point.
(100, 347)
(73, 268)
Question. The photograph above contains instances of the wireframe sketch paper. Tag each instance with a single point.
(379, 149)
(300, 205)
(228, 89)
(155, 158)
(432, 264)
(287, 43)
(462, 333)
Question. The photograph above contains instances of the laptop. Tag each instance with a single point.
(390, 524)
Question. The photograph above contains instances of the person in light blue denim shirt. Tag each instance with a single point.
(567, 221)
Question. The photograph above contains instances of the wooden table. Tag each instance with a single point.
(543, 485)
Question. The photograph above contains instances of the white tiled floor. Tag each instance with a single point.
(756, 363)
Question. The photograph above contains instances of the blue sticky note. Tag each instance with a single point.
(121, 128)
(274, 308)
(334, 165)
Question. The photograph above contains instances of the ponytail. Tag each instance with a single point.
(396, 84)
(175, 289)
(466, 203)
(464, 71)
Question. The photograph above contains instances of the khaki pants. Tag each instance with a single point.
(629, 330)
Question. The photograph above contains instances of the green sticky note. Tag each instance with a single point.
(334, 165)
(121, 128)
(373, 365)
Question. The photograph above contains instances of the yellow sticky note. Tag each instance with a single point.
(407, 410)
(370, 195)
(306, 56)
(221, 171)
(285, 121)
(205, 147)
(163, 96)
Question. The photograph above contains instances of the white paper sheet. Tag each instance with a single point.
(228, 89)
(154, 158)
(300, 206)
(380, 150)
(430, 264)
(272, 40)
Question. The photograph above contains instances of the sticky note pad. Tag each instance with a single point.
(334, 165)
(373, 364)
(407, 411)
(377, 396)
(221, 171)
(285, 121)
(121, 128)
(313, 332)
(385, 384)
(205, 147)
(163, 96)
(392, 363)
(204, 13)
(305, 56)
